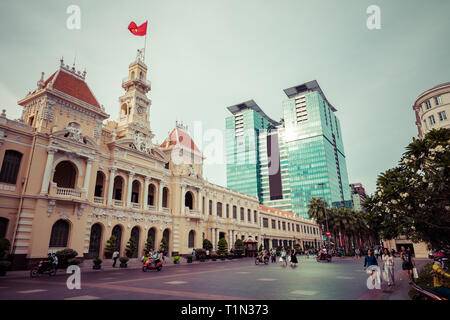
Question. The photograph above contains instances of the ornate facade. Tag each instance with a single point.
(68, 179)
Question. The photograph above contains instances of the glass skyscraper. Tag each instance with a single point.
(297, 159)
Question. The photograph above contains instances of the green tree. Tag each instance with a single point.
(163, 247)
(223, 247)
(412, 198)
(111, 245)
(131, 247)
(5, 245)
(239, 248)
(149, 246)
(316, 211)
(207, 245)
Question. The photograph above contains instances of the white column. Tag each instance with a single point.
(213, 240)
(145, 202)
(130, 187)
(199, 201)
(217, 237)
(111, 186)
(214, 207)
(231, 239)
(87, 176)
(160, 196)
(183, 191)
(48, 171)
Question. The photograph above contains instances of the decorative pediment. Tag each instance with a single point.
(74, 132)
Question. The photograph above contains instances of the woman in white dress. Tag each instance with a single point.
(388, 267)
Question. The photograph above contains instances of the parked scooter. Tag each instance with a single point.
(259, 260)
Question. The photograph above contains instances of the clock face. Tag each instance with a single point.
(140, 110)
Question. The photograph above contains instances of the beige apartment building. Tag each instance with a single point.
(71, 180)
(432, 109)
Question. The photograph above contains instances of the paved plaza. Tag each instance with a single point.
(343, 279)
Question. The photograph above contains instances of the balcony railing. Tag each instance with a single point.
(146, 83)
(98, 200)
(135, 205)
(166, 210)
(151, 208)
(118, 203)
(68, 192)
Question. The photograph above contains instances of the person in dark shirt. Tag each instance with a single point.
(370, 259)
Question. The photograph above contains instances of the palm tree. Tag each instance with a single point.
(316, 211)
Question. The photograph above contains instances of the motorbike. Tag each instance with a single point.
(424, 293)
(151, 264)
(259, 260)
(43, 268)
(324, 257)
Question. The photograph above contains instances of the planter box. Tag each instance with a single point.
(123, 265)
(97, 266)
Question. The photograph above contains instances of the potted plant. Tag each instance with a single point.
(239, 248)
(73, 262)
(223, 248)
(207, 246)
(163, 247)
(200, 254)
(214, 257)
(4, 266)
(149, 246)
(111, 246)
(97, 264)
(131, 247)
(64, 256)
(230, 256)
(189, 258)
(176, 259)
(123, 262)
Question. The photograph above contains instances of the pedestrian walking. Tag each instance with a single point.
(115, 257)
(294, 260)
(283, 257)
(408, 263)
(388, 267)
(273, 256)
(55, 261)
(376, 252)
(357, 253)
(370, 259)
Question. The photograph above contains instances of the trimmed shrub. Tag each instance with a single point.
(239, 248)
(425, 278)
(5, 245)
(64, 256)
(223, 247)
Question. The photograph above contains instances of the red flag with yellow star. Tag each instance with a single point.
(138, 30)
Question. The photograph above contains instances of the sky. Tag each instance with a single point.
(206, 55)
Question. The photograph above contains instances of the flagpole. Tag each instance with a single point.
(145, 41)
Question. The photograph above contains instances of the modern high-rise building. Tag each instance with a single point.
(358, 195)
(287, 163)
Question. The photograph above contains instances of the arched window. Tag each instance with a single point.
(99, 184)
(188, 200)
(3, 227)
(117, 232)
(141, 75)
(118, 185)
(10, 166)
(191, 239)
(95, 241)
(65, 175)
(152, 234)
(165, 200)
(135, 188)
(124, 110)
(59, 235)
(151, 195)
(166, 235)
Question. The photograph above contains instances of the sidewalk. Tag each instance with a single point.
(401, 288)
(132, 264)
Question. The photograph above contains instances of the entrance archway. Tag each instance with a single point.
(189, 200)
(166, 236)
(95, 241)
(135, 236)
(117, 232)
(60, 234)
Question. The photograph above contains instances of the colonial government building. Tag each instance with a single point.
(71, 180)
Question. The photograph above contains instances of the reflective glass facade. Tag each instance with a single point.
(309, 155)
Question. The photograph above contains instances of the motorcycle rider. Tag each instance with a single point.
(441, 276)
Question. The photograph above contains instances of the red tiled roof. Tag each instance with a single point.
(72, 86)
(183, 138)
(286, 213)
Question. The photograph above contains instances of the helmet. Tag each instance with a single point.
(439, 256)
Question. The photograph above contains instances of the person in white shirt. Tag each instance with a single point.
(115, 256)
(388, 267)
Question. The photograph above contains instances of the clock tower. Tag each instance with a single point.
(134, 104)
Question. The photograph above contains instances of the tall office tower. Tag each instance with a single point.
(242, 146)
(300, 158)
(316, 158)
